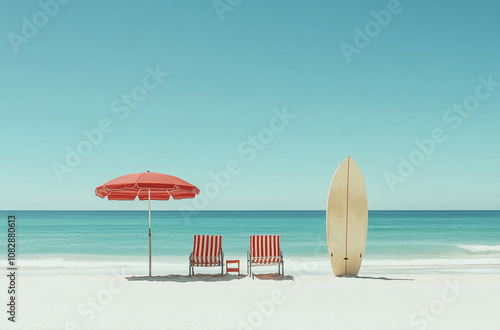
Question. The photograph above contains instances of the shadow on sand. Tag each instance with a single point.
(207, 278)
(382, 278)
(274, 277)
(188, 279)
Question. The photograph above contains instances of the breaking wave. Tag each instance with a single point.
(481, 249)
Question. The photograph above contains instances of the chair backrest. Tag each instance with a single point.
(262, 246)
(207, 249)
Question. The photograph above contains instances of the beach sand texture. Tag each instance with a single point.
(400, 301)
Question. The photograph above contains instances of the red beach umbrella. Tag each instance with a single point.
(147, 186)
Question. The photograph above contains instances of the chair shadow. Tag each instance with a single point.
(188, 279)
(208, 278)
(273, 277)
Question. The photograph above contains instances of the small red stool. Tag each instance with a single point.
(233, 269)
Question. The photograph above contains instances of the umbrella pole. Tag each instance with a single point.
(149, 207)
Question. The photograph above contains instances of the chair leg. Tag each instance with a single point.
(282, 264)
(190, 264)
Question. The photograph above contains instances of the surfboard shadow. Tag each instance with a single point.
(382, 278)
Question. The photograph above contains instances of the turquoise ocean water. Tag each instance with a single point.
(110, 241)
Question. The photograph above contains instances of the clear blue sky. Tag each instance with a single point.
(416, 68)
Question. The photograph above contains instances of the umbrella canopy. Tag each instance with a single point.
(146, 186)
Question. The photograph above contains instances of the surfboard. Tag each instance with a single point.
(347, 219)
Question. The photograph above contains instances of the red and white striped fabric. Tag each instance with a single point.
(207, 250)
(265, 249)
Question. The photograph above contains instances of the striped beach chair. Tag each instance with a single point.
(264, 251)
(207, 252)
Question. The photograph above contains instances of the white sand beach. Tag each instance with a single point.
(443, 301)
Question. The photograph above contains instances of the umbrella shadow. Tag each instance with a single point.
(187, 279)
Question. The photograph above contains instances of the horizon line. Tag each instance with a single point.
(241, 210)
